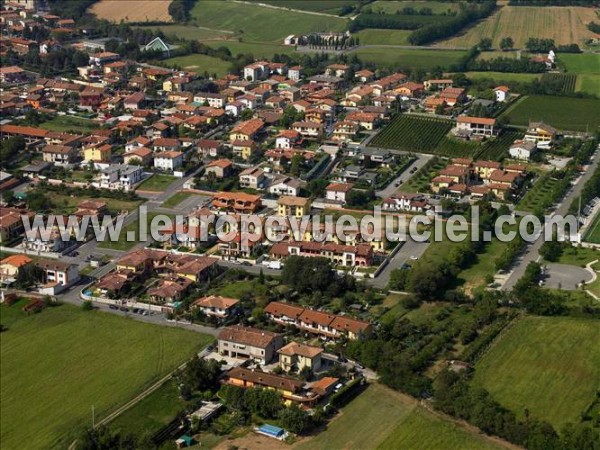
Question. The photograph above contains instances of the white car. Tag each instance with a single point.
(414, 258)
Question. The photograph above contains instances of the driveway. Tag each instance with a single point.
(404, 176)
(408, 249)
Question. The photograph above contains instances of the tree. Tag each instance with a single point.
(296, 165)
(295, 419)
(398, 279)
(101, 438)
(28, 276)
(37, 201)
(507, 43)
(551, 250)
(87, 306)
(306, 274)
(8, 197)
(485, 44)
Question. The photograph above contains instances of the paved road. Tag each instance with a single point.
(532, 251)
(406, 175)
(564, 276)
(409, 249)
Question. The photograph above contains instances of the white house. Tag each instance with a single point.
(285, 186)
(168, 160)
(338, 192)
(253, 177)
(523, 150)
(295, 73)
(120, 176)
(501, 93)
(213, 100)
(477, 126)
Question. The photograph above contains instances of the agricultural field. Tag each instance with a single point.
(497, 149)
(580, 62)
(576, 114)
(547, 365)
(588, 83)
(540, 196)
(374, 36)
(413, 133)
(501, 77)
(396, 422)
(257, 49)
(52, 381)
(200, 63)
(593, 234)
(392, 6)
(567, 81)
(258, 23)
(132, 10)
(409, 58)
(564, 25)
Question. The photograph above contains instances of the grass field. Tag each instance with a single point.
(321, 6)
(157, 182)
(70, 123)
(200, 63)
(373, 36)
(189, 31)
(593, 234)
(409, 58)
(67, 204)
(257, 49)
(581, 62)
(176, 199)
(588, 83)
(576, 114)
(123, 243)
(257, 23)
(133, 10)
(564, 25)
(57, 364)
(549, 365)
(392, 6)
(380, 418)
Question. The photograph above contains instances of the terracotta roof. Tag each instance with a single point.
(25, 131)
(16, 260)
(279, 309)
(248, 127)
(477, 120)
(222, 163)
(294, 348)
(288, 200)
(325, 384)
(266, 379)
(215, 301)
(343, 323)
(320, 318)
(248, 336)
(339, 187)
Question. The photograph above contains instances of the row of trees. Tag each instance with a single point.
(439, 30)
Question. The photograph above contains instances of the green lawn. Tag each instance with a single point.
(257, 23)
(578, 256)
(68, 204)
(176, 199)
(380, 418)
(257, 49)
(324, 6)
(408, 58)
(392, 6)
(589, 83)
(157, 182)
(577, 114)
(422, 430)
(484, 265)
(60, 362)
(548, 365)
(70, 123)
(236, 289)
(200, 64)
(152, 413)
(189, 32)
(593, 235)
(374, 36)
(581, 62)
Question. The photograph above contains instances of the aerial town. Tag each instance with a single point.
(140, 310)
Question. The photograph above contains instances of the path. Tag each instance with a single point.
(531, 253)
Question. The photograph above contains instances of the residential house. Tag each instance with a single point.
(216, 306)
(295, 73)
(168, 160)
(61, 155)
(100, 153)
(438, 85)
(288, 139)
(169, 289)
(501, 93)
(453, 96)
(253, 177)
(221, 168)
(138, 156)
(522, 149)
(120, 176)
(341, 255)
(249, 343)
(57, 275)
(338, 192)
(540, 133)
(243, 148)
(135, 101)
(308, 129)
(247, 130)
(239, 202)
(284, 185)
(298, 357)
(9, 267)
(211, 99)
(293, 206)
(209, 147)
(475, 126)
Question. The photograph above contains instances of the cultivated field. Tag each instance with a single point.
(132, 10)
(576, 114)
(580, 63)
(380, 418)
(57, 364)
(258, 23)
(564, 25)
(548, 365)
(374, 36)
(392, 6)
(409, 58)
(413, 133)
(320, 6)
(190, 32)
(504, 76)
